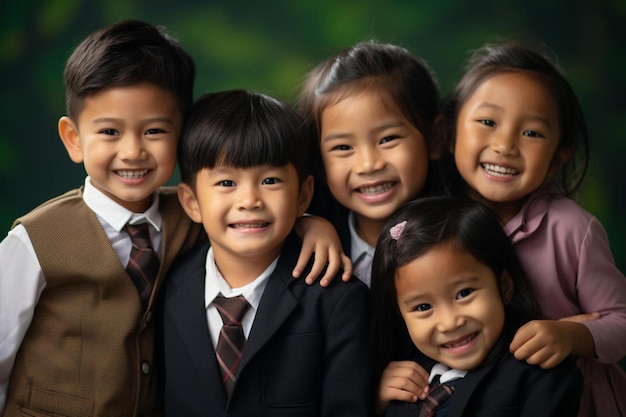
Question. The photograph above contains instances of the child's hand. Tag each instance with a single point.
(547, 342)
(581, 318)
(403, 381)
(320, 238)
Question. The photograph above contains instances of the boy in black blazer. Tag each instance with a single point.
(245, 167)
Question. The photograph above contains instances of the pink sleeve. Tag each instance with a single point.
(601, 287)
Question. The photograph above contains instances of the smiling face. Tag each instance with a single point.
(507, 138)
(246, 212)
(374, 158)
(451, 305)
(126, 138)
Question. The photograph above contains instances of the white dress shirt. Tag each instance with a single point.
(446, 374)
(361, 253)
(22, 280)
(215, 284)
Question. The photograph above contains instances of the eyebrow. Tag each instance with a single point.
(488, 105)
(117, 119)
(342, 135)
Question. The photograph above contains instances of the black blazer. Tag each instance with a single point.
(510, 388)
(307, 353)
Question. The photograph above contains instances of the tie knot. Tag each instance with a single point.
(139, 235)
(231, 309)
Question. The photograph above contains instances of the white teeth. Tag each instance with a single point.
(499, 171)
(249, 225)
(131, 174)
(377, 189)
(461, 343)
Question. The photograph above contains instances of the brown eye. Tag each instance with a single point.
(464, 293)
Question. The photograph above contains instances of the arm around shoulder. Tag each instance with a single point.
(602, 288)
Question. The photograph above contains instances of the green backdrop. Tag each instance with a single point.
(268, 46)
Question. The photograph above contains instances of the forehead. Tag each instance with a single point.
(439, 268)
(518, 91)
(133, 101)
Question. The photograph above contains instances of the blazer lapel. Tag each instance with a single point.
(194, 331)
(461, 397)
(275, 306)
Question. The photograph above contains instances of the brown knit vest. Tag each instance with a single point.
(89, 348)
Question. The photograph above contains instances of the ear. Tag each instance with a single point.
(507, 287)
(306, 194)
(561, 157)
(188, 200)
(68, 132)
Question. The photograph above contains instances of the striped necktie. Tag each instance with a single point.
(143, 264)
(436, 396)
(231, 340)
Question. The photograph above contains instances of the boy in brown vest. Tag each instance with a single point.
(79, 274)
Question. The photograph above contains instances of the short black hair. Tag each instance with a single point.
(128, 53)
(243, 129)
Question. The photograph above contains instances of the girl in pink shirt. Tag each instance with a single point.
(518, 143)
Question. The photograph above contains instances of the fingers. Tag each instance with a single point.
(582, 318)
(346, 265)
(541, 342)
(319, 263)
(303, 259)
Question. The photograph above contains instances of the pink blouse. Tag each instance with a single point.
(566, 256)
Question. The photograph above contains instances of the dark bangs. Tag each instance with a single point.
(242, 129)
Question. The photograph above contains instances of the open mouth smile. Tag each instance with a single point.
(248, 225)
(376, 189)
(460, 342)
(498, 171)
(132, 174)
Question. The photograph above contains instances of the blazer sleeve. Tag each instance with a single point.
(346, 380)
(553, 392)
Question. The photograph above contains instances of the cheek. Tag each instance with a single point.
(418, 330)
(493, 319)
(335, 170)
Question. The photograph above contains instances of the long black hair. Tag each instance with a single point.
(515, 56)
(431, 222)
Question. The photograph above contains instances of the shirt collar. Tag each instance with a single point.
(358, 246)
(216, 284)
(447, 374)
(116, 215)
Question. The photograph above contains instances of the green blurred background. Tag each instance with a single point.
(269, 46)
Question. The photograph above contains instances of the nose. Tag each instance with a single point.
(248, 197)
(368, 159)
(132, 148)
(504, 142)
(448, 319)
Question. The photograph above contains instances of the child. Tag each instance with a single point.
(372, 107)
(245, 166)
(520, 145)
(445, 267)
(76, 332)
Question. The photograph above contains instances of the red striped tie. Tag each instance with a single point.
(143, 264)
(436, 396)
(231, 341)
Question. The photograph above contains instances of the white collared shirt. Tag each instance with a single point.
(360, 251)
(214, 284)
(447, 374)
(22, 280)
